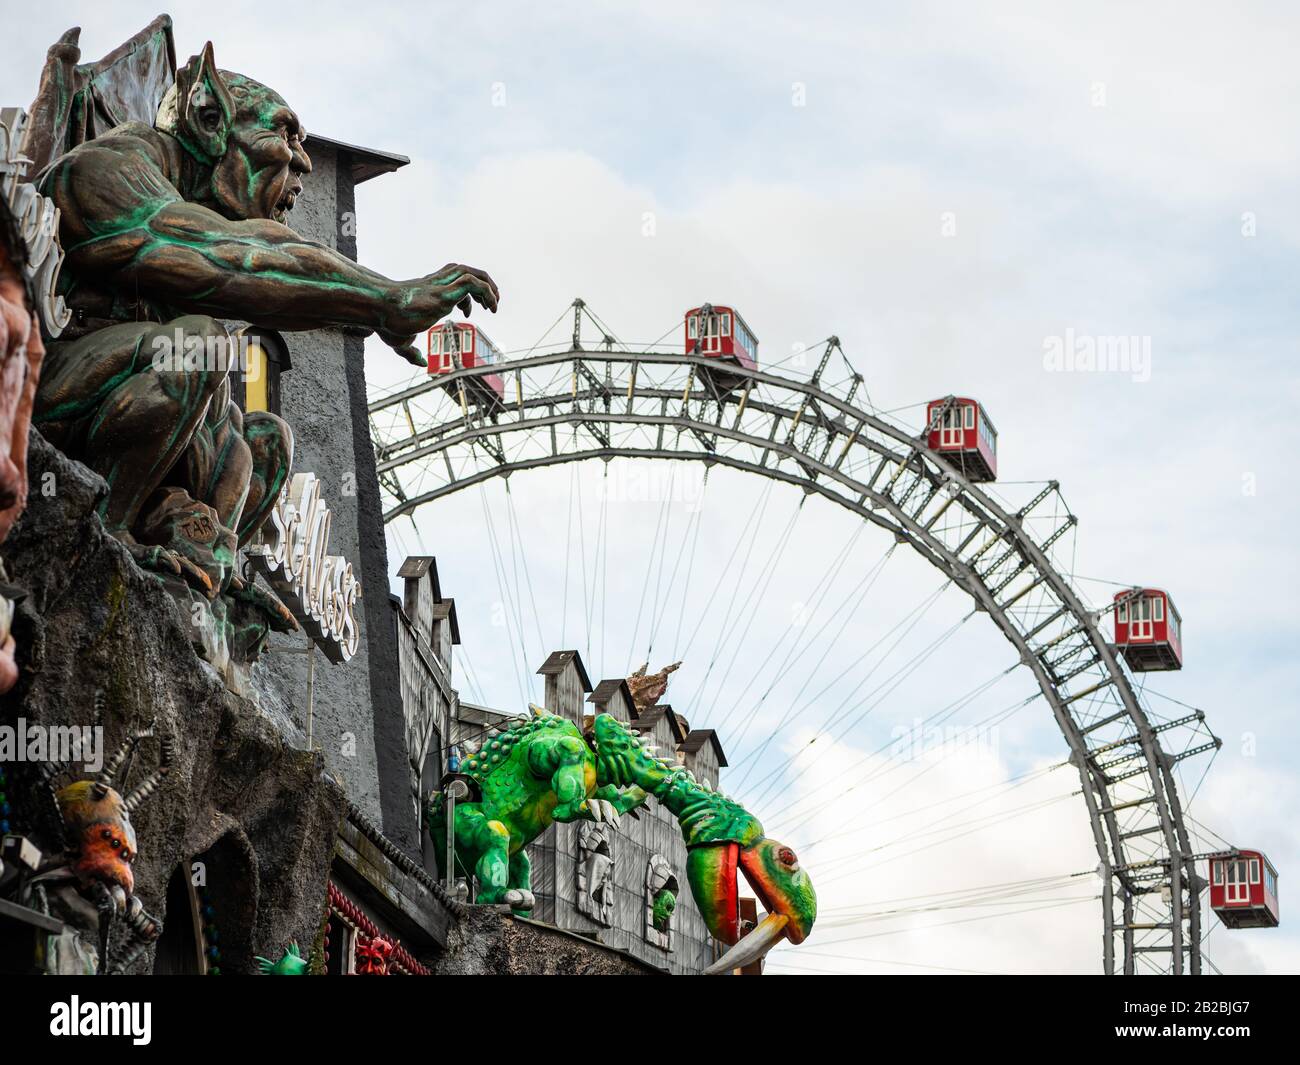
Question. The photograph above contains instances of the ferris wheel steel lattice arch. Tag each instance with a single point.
(608, 390)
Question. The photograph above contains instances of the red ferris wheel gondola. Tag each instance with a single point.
(1148, 630)
(453, 345)
(719, 333)
(961, 431)
(1243, 889)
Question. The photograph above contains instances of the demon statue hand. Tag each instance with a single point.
(168, 228)
(543, 769)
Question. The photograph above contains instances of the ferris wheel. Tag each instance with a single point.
(706, 396)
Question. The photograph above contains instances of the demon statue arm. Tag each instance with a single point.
(543, 769)
(125, 221)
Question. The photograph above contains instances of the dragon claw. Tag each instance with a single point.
(602, 811)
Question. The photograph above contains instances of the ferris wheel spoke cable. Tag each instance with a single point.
(498, 570)
(1187, 803)
(650, 565)
(885, 688)
(819, 593)
(519, 554)
(690, 570)
(582, 558)
(937, 827)
(666, 509)
(568, 545)
(514, 607)
(1030, 908)
(1001, 789)
(1034, 895)
(599, 324)
(845, 872)
(853, 600)
(903, 672)
(974, 891)
(692, 534)
(471, 675)
(602, 562)
(777, 958)
(749, 607)
(751, 526)
(814, 801)
(657, 613)
(751, 530)
(1010, 784)
(867, 653)
(747, 612)
(1208, 830)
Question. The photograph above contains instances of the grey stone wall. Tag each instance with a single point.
(254, 809)
(488, 943)
(356, 711)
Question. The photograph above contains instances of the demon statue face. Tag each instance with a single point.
(242, 135)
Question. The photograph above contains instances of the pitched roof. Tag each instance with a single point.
(649, 717)
(697, 738)
(366, 163)
(605, 691)
(556, 662)
(418, 566)
(446, 608)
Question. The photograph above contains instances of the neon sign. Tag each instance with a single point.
(319, 589)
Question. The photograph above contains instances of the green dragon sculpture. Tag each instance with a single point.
(544, 769)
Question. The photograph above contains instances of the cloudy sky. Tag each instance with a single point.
(946, 188)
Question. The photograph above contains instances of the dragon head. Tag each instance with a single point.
(773, 872)
(723, 841)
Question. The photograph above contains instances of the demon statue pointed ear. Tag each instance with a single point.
(205, 110)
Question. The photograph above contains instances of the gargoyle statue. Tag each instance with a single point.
(168, 228)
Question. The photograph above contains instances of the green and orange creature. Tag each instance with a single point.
(89, 883)
(544, 769)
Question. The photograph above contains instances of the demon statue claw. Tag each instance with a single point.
(89, 883)
(170, 227)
